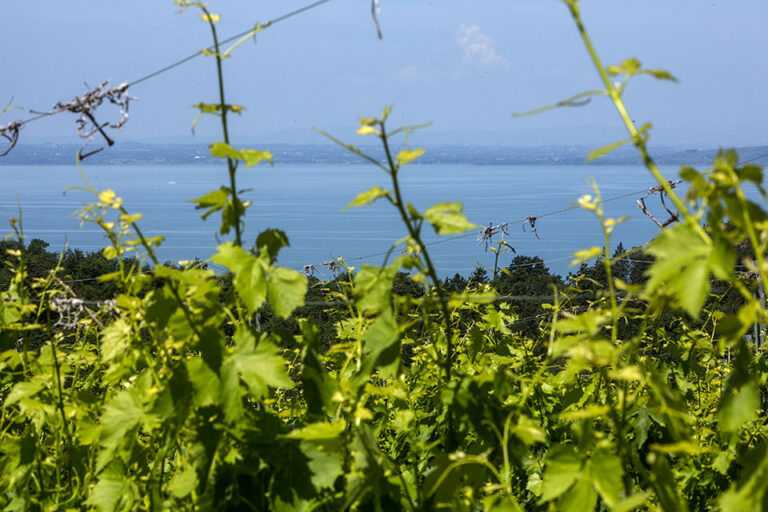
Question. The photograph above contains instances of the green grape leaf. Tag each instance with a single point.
(250, 279)
(368, 130)
(528, 431)
(211, 18)
(231, 394)
(318, 386)
(580, 257)
(317, 431)
(270, 241)
(121, 414)
(683, 263)
(373, 287)
(562, 470)
(223, 150)
(325, 463)
(215, 108)
(260, 366)
(253, 157)
(751, 491)
(211, 202)
(382, 345)
(606, 472)
(740, 401)
(660, 74)
(106, 493)
(408, 155)
(205, 382)
(448, 219)
(630, 65)
(184, 481)
(368, 197)
(24, 389)
(286, 290)
(597, 153)
(580, 497)
(633, 503)
(496, 503)
(664, 486)
(115, 339)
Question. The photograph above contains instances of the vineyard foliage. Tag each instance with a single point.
(175, 396)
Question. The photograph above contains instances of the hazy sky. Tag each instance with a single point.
(461, 64)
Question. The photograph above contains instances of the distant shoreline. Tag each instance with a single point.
(131, 153)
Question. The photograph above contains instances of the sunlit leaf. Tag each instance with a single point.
(250, 277)
(286, 290)
(260, 366)
(448, 219)
(368, 197)
(408, 155)
(740, 401)
(317, 431)
(253, 157)
(382, 345)
(682, 262)
(270, 241)
(368, 130)
(606, 472)
(585, 255)
(223, 150)
(562, 470)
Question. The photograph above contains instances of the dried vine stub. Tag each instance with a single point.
(10, 132)
(375, 10)
(86, 106)
(658, 189)
(531, 221)
(486, 234)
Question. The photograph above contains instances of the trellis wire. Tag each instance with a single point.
(10, 131)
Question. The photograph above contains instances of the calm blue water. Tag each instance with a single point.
(306, 201)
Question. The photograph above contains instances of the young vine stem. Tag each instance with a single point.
(231, 166)
(172, 285)
(413, 232)
(615, 95)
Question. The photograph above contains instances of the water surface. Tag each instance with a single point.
(306, 201)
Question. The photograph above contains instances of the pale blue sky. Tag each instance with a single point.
(466, 65)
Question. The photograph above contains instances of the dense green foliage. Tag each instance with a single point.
(632, 388)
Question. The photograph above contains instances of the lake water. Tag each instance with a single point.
(306, 201)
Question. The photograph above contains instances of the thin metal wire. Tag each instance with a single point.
(527, 220)
(753, 159)
(188, 58)
(225, 41)
(510, 223)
